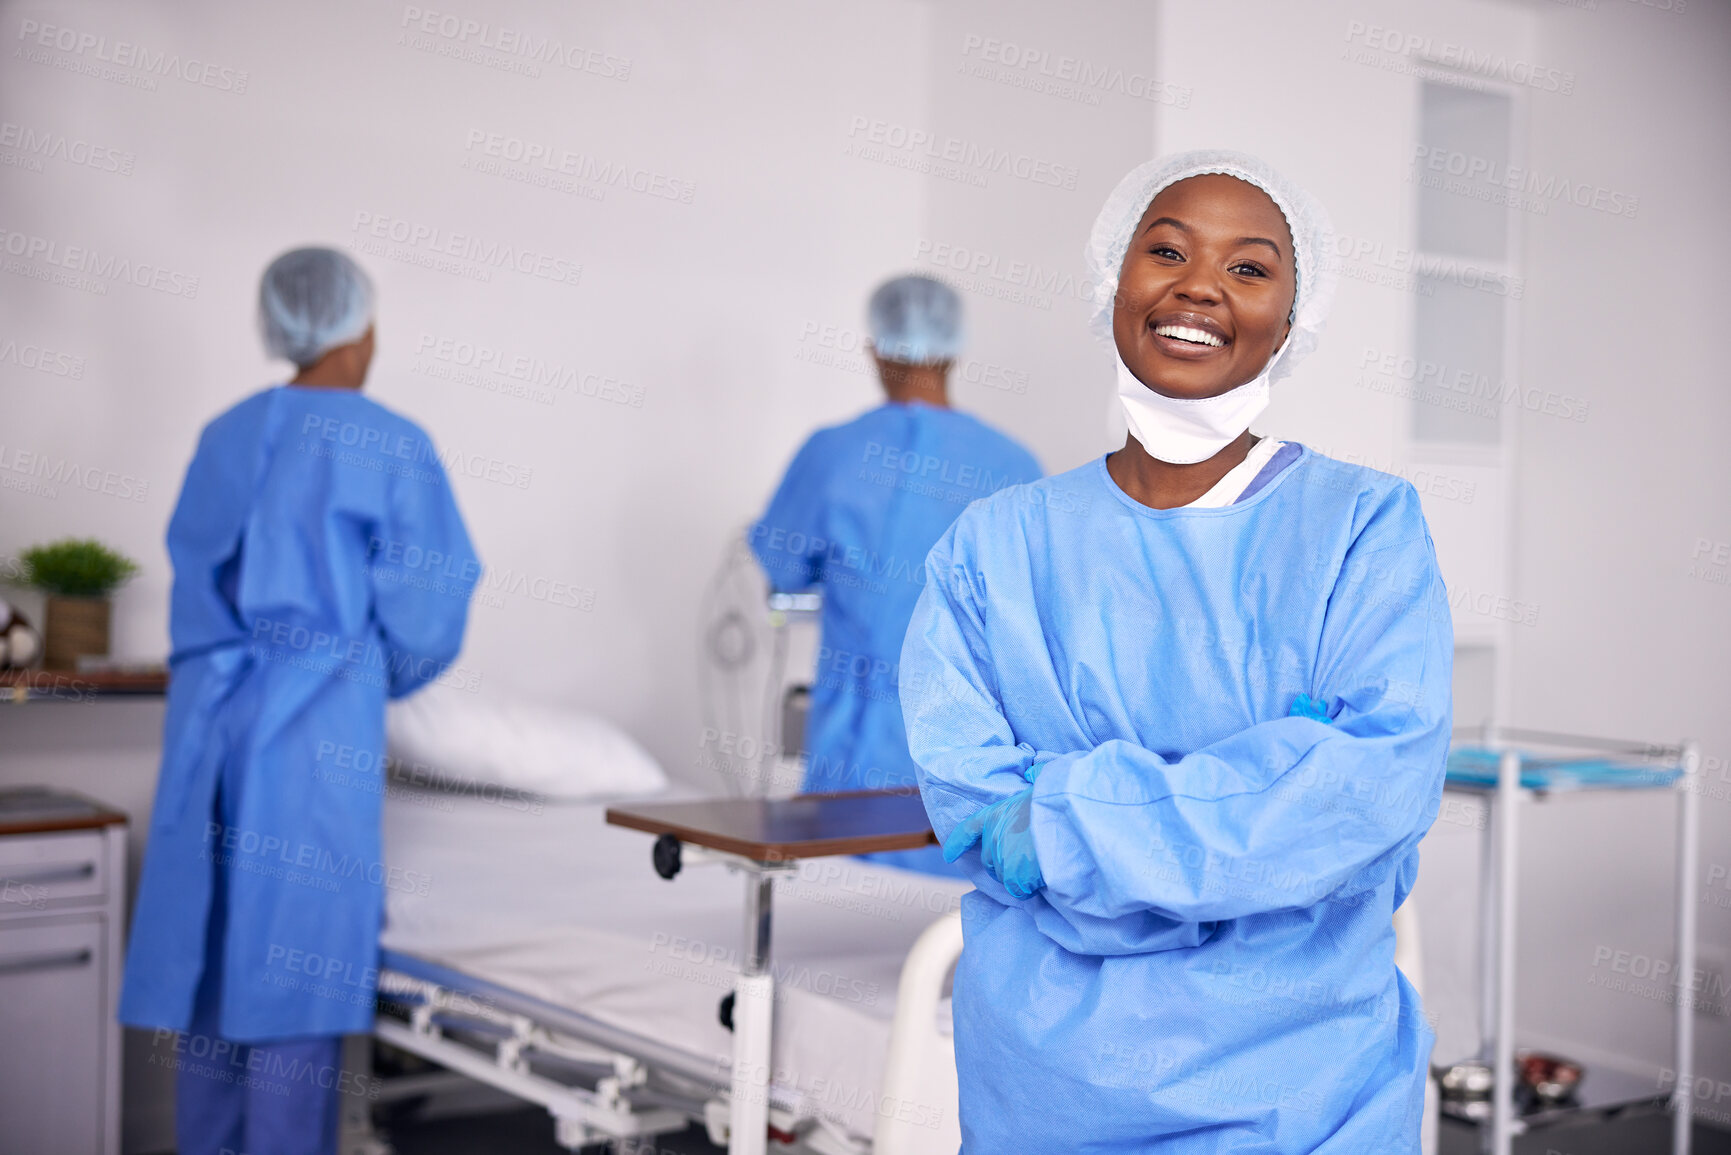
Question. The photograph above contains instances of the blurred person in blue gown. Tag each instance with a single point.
(320, 568)
(855, 515)
(1182, 714)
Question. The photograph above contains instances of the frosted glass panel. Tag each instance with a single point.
(1462, 162)
(1459, 332)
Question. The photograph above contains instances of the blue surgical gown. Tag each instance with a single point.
(857, 512)
(320, 566)
(1211, 964)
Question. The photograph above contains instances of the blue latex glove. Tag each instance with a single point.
(1005, 833)
(1304, 706)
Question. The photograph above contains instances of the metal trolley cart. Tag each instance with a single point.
(1545, 763)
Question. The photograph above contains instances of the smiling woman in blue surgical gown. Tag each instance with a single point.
(320, 567)
(1183, 713)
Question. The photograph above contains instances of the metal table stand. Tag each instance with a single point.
(761, 838)
(1499, 887)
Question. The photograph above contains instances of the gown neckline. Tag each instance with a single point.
(1255, 499)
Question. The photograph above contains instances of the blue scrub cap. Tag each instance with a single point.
(1312, 239)
(916, 320)
(310, 301)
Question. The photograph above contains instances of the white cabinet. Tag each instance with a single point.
(62, 887)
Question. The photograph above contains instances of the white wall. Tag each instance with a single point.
(1612, 510)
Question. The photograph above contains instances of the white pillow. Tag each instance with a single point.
(442, 736)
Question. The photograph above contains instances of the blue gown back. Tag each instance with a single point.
(858, 510)
(320, 567)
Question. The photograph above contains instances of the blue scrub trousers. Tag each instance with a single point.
(259, 1099)
(272, 1098)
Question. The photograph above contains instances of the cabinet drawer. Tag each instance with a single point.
(43, 871)
(51, 1017)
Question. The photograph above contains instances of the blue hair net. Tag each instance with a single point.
(917, 320)
(310, 301)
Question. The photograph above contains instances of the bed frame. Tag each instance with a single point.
(602, 1084)
(605, 1085)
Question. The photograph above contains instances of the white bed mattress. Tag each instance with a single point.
(562, 907)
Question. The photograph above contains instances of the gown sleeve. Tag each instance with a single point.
(964, 747)
(191, 531)
(422, 611)
(1278, 816)
(789, 540)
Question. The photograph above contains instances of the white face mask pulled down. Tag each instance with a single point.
(1183, 431)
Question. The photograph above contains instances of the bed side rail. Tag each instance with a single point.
(918, 1116)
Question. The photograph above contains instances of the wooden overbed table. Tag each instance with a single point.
(773, 830)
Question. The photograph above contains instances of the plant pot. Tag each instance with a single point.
(76, 626)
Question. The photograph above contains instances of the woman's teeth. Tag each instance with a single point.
(1186, 333)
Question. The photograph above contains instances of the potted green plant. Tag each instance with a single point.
(78, 575)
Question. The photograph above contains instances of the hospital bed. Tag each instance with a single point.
(541, 955)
